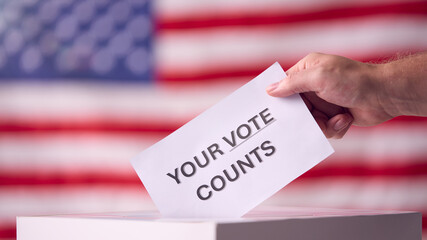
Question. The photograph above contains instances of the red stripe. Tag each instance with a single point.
(137, 126)
(30, 177)
(89, 125)
(398, 122)
(273, 17)
(413, 168)
(406, 120)
(212, 73)
(7, 231)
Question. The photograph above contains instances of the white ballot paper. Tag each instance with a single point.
(234, 155)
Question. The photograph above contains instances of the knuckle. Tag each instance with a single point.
(319, 77)
(314, 55)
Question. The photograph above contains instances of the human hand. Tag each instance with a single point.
(338, 92)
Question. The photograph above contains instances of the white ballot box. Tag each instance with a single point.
(265, 224)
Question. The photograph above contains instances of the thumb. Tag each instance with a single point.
(297, 82)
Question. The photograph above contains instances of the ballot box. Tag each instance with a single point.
(265, 224)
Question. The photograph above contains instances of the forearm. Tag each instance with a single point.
(405, 85)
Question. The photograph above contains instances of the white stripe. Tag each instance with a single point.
(105, 151)
(382, 144)
(398, 193)
(230, 48)
(178, 9)
(72, 152)
(18, 201)
(78, 102)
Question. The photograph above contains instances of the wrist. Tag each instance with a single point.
(395, 94)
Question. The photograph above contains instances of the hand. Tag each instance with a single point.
(338, 92)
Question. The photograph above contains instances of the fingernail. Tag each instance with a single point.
(272, 87)
(340, 125)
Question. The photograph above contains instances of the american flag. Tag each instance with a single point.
(87, 84)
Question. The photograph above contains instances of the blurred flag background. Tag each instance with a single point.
(87, 84)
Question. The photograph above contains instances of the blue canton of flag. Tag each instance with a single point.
(89, 39)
